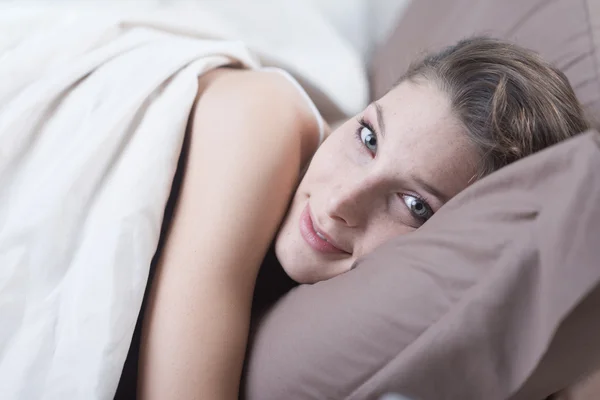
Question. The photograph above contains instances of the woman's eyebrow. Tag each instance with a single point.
(431, 189)
(380, 120)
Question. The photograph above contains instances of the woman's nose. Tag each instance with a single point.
(349, 203)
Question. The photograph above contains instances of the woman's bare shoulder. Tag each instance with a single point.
(270, 95)
(244, 156)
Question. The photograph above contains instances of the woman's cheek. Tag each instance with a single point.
(382, 232)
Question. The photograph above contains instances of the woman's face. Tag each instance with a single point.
(379, 175)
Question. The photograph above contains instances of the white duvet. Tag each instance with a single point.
(93, 110)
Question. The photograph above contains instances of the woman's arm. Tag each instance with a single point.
(251, 134)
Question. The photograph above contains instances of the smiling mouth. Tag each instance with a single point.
(315, 239)
(319, 234)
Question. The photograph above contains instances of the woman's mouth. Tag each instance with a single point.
(319, 234)
(315, 239)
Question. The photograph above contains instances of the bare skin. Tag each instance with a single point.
(361, 188)
(245, 155)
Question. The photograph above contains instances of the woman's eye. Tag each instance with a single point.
(368, 138)
(419, 208)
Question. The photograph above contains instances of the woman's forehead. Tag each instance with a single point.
(423, 136)
(418, 107)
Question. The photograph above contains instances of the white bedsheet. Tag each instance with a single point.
(93, 111)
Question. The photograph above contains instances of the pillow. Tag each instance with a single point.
(495, 297)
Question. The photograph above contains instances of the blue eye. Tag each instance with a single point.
(418, 207)
(368, 138)
(366, 135)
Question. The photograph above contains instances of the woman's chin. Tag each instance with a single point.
(296, 272)
(289, 259)
(306, 270)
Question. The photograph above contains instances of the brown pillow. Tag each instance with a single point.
(496, 297)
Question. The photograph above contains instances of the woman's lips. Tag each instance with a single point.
(310, 236)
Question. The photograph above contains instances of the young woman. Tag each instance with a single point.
(453, 118)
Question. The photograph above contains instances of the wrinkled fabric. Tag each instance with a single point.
(496, 297)
(93, 113)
